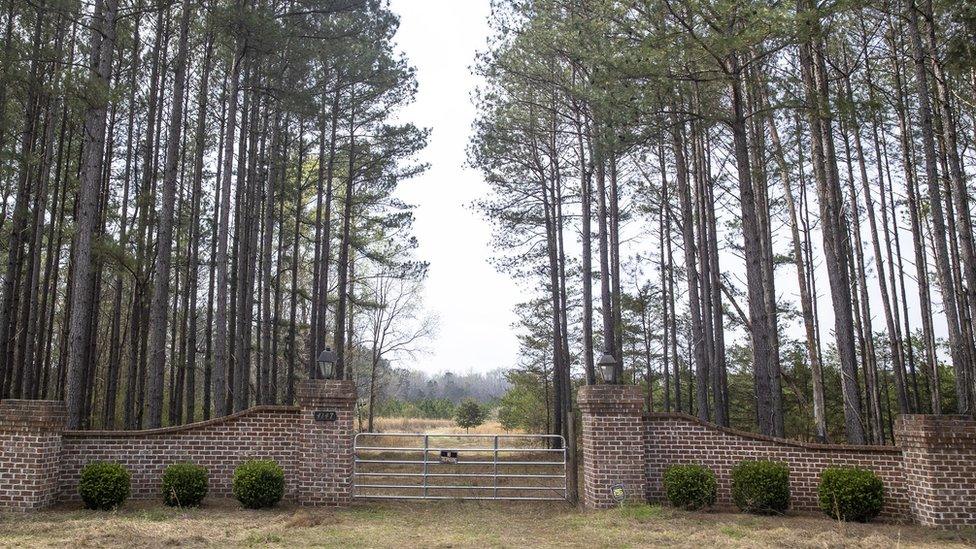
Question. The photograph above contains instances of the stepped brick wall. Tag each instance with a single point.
(929, 476)
(220, 445)
(41, 462)
(680, 438)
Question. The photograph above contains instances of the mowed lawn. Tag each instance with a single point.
(450, 524)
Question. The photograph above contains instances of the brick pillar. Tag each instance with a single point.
(939, 462)
(326, 435)
(613, 443)
(30, 453)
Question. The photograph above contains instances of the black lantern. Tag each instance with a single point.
(608, 367)
(327, 363)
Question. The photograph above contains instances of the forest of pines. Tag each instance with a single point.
(758, 211)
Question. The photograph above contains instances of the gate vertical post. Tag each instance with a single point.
(613, 444)
(494, 470)
(426, 452)
(326, 441)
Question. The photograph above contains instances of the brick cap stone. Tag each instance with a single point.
(36, 415)
(313, 393)
(931, 429)
(618, 399)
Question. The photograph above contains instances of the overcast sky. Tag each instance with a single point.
(473, 301)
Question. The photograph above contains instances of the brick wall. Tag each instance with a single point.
(220, 445)
(30, 452)
(930, 477)
(327, 446)
(940, 468)
(613, 443)
(40, 462)
(679, 438)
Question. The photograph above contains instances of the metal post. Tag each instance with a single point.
(426, 446)
(565, 473)
(494, 474)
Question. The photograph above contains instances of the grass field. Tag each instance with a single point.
(450, 524)
(439, 426)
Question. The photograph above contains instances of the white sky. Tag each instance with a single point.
(473, 301)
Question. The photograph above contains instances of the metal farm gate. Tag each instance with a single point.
(459, 466)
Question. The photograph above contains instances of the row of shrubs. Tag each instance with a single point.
(763, 487)
(256, 484)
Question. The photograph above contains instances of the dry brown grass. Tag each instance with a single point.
(450, 524)
(439, 426)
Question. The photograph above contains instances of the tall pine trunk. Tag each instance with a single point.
(164, 242)
(103, 53)
(833, 226)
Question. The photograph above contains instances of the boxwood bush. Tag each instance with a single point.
(259, 483)
(761, 487)
(184, 485)
(850, 493)
(104, 485)
(690, 486)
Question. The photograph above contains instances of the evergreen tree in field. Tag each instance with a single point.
(523, 406)
(470, 414)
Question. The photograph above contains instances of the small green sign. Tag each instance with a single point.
(619, 494)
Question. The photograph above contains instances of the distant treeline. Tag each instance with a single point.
(411, 393)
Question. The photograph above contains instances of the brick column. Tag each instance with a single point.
(30, 453)
(613, 443)
(326, 431)
(939, 461)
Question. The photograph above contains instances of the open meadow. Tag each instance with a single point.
(438, 426)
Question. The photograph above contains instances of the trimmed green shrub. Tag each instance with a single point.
(850, 493)
(761, 487)
(259, 483)
(690, 486)
(104, 485)
(184, 485)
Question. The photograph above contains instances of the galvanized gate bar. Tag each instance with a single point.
(460, 462)
(502, 458)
